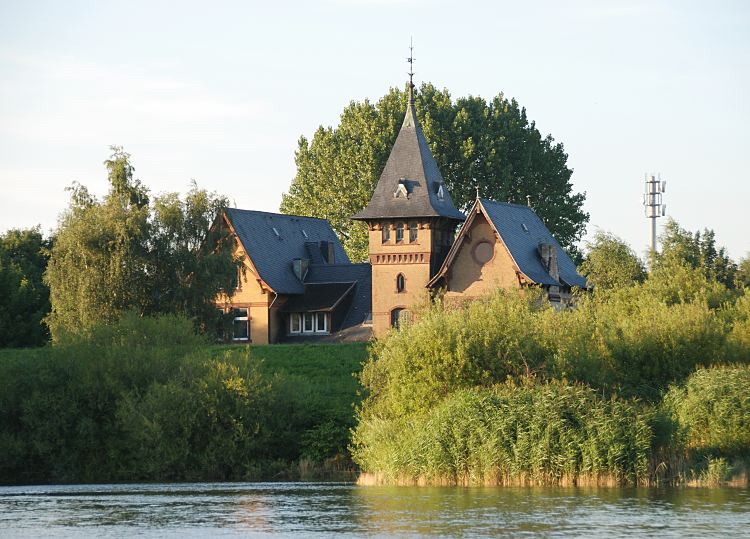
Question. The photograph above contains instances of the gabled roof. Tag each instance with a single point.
(411, 184)
(522, 231)
(361, 274)
(273, 240)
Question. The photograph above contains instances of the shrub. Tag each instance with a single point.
(712, 411)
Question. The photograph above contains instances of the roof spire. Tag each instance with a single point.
(410, 59)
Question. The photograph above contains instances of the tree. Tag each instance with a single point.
(610, 263)
(490, 146)
(126, 253)
(743, 272)
(24, 298)
(698, 250)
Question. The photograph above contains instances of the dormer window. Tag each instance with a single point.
(401, 190)
(440, 192)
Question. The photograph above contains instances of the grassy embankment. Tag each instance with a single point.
(146, 400)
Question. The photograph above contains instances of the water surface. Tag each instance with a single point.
(322, 509)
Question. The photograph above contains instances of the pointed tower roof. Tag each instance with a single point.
(411, 184)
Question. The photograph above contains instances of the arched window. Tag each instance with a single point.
(400, 282)
(399, 231)
(386, 232)
(413, 232)
(396, 317)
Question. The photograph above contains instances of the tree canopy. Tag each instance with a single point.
(610, 263)
(478, 145)
(25, 298)
(130, 252)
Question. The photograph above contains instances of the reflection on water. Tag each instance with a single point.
(234, 509)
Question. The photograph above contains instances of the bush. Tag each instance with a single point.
(712, 411)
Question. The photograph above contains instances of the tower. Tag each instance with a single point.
(411, 221)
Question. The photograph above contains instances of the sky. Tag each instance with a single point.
(221, 91)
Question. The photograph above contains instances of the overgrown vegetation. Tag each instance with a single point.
(644, 381)
(129, 251)
(145, 399)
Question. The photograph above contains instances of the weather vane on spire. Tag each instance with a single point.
(410, 59)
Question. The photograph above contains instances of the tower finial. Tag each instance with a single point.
(410, 59)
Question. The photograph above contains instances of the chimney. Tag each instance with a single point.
(327, 251)
(548, 254)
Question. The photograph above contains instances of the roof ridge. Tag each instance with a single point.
(277, 214)
(512, 204)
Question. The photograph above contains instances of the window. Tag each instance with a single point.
(413, 232)
(320, 323)
(399, 231)
(240, 325)
(309, 322)
(295, 326)
(386, 233)
(400, 282)
(399, 317)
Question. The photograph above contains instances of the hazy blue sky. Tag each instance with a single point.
(221, 91)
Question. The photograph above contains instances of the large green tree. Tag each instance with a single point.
(489, 146)
(697, 250)
(128, 252)
(611, 264)
(24, 298)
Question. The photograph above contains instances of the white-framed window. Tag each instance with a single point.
(240, 324)
(308, 323)
(302, 323)
(321, 325)
(295, 324)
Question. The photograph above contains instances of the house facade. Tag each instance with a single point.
(299, 284)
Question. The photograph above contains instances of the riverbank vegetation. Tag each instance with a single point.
(645, 381)
(145, 399)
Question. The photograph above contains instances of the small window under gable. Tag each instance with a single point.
(401, 190)
(440, 192)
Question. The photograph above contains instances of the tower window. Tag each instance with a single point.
(400, 282)
(413, 231)
(399, 231)
(386, 232)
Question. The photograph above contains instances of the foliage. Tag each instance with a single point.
(712, 410)
(697, 250)
(743, 272)
(128, 252)
(610, 263)
(145, 398)
(25, 298)
(491, 146)
(532, 433)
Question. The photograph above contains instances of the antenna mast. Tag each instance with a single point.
(653, 204)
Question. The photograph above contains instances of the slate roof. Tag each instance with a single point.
(272, 254)
(522, 231)
(318, 297)
(411, 163)
(361, 274)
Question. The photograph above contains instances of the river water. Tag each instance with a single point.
(322, 509)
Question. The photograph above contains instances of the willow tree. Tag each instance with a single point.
(129, 252)
(481, 146)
